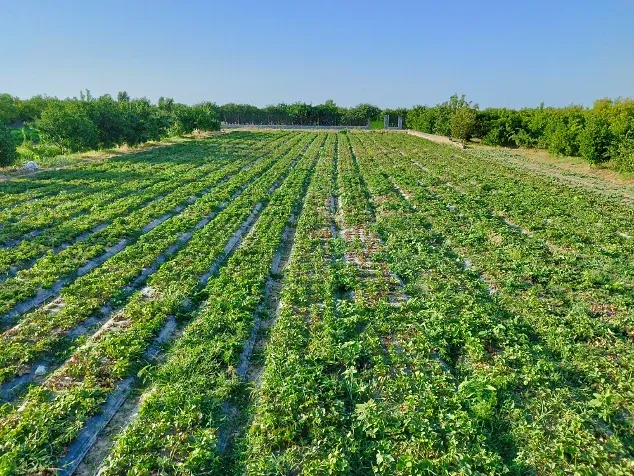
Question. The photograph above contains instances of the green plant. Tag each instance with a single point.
(596, 139)
(7, 147)
(463, 123)
(68, 126)
(623, 155)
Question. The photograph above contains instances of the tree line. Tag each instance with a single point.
(601, 133)
(50, 126)
(299, 113)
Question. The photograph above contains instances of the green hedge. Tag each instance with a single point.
(598, 134)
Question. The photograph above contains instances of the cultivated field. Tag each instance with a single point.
(313, 303)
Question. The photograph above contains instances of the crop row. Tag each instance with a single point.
(146, 187)
(51, 415)
(95, 294)
(57, 269)
(59, 236)
(104, 179)
(100, 175)
(192, 391)
(314, 410)
(490, 361)
(573, 219)
(536, 350)
(439, 314)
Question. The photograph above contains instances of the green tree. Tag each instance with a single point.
(123, 96)
(31, 109)
(206, 117)
(7, 147)
(8, 109)
(166, 104)
(595, 139)
(445, 111)
(422, 118)
(328, 114)
(67, 125)
(109, 120)
(463, 123)
(143, 121)
(360, 115)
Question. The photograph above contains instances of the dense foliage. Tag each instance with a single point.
(327, 114)
(7, 146)
(463, 123)
(602, 133)
(92, 123)
(598, 134)
(315, 303)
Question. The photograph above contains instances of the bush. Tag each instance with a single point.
(463, 123)
(36, 152)
(562, 129)
(623, 155)
(595, 139)
(109, 119)
(422, 118)
(7, 147)
(8, 109)
(206, 118)
(559, 139)
(68, 126)
(498, 126)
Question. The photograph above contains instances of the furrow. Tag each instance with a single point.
(9, 388)
(92, 435)
(46, 294)
(254, 258)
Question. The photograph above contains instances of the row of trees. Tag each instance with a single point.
(299, 113)
(90, 123)
(603, 132)
(93, 123)
(14, 110)
(600, 133)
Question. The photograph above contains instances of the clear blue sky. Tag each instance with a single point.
(499, 53)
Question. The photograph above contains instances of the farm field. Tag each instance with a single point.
(315, 302)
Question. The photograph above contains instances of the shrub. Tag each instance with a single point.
(561, 130)
(463, 123)
(176, 129)
(8, 109)
(206, 118)
(109, 120)
(421, 118)
(498, 126)
(559, 139)
(595, 139)
(623, 155)
(68, 126)
(7, 147)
